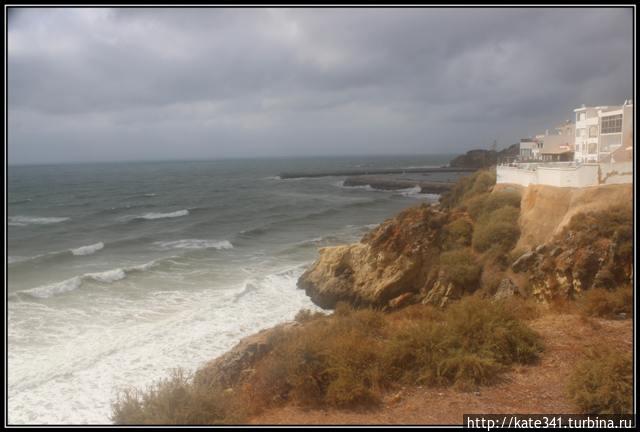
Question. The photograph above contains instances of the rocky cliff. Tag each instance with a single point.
(569, 240)
(393, 259)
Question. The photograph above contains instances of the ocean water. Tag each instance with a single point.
(119, 272)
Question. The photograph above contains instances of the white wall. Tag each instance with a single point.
(616, 173)
(562, 175)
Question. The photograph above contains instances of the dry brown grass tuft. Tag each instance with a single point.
(602, 383)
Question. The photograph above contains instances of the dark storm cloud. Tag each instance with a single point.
(109, 84)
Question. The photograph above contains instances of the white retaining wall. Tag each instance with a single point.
(566, 175)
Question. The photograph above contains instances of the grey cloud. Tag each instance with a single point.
(256, 82)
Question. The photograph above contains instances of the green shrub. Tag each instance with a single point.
(498, 200)
(497, 229)
(471, 346)
(602, 383)
(598, 302)
(457, 234)
(461, 268)
(475, 205)
(466, 187)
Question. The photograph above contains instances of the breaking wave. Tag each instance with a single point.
(105, 277)
(88, 250)
(152, 216)
(194, 244)
(35, 220)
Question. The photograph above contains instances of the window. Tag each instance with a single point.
(611, 124)
(593, 148)
(593, 131)
(582, 116)
(580, 133)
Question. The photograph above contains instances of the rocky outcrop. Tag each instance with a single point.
(393, 259)
(593, 254)
(236, 365)
(401, 261)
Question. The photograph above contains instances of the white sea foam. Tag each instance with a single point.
(49, 290)
(134, 342)
(194, 244)
(165, 215)
(88, 250)
(35, 220)
(152, 216)
(363, 187)
(410, 192)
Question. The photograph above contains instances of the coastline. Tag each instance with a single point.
(407, 247)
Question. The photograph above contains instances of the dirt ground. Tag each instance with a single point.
(539, 388)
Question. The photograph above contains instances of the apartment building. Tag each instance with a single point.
(603, 132)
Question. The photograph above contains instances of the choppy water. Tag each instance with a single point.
(119, 272)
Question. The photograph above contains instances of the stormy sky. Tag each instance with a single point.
(154, 84)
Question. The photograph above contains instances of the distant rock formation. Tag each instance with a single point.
(484, 158)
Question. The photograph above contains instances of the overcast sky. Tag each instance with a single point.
(132, 84)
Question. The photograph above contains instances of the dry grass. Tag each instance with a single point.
(177, 400)
(602, 303)
(349, 360)
(602, 383)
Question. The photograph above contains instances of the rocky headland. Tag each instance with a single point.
(546, 251)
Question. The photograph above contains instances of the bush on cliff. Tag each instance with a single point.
(466, 187)
(497, 229)
(177, 400)
(461, 268)
(602, 303)
(471, 345)
(457, 234)
(614, 223)
(488, 203)
(602, 383)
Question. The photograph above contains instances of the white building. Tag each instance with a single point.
(602, 131)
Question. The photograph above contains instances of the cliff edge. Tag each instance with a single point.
(501, 240)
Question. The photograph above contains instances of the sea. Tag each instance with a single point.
(118, 273)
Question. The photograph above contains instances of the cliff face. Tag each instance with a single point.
(399, 262)
(392, 259)
(593, 250)
(546, 210)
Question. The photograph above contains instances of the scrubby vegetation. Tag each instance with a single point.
(614, 223)
(349, 359)
(497, 229)
(602, 383)
(457, 234)
(467, 187)
(461, 268)
(603, 303)
(177, 400)
(494, 215)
